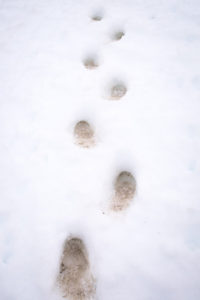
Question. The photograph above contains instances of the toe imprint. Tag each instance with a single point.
(125, 187)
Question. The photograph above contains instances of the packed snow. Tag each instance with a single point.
(51, 188)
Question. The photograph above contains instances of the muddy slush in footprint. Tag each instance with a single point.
(75, 279)
(125, 187)
(84, 134)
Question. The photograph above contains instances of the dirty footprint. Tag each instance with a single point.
(91, 62)
(75, 279)
(124, 191)
(117, 35)
(97, 17)
(84, 134)
(117, 91)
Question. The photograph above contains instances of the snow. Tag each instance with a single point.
(51, 188)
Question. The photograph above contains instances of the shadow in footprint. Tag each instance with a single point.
(124, 191)
(75, 279)
(84, 134)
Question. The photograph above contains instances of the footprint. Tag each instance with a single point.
(97, 17)
(125, 188)
(91, 62)
(117, 35)
(97, 14)
(84, 134)
(117, 91)
(75, 278)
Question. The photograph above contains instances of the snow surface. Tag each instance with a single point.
(51, 188)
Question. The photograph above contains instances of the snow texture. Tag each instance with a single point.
(50, 188)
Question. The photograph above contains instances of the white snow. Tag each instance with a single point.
(51, 188)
